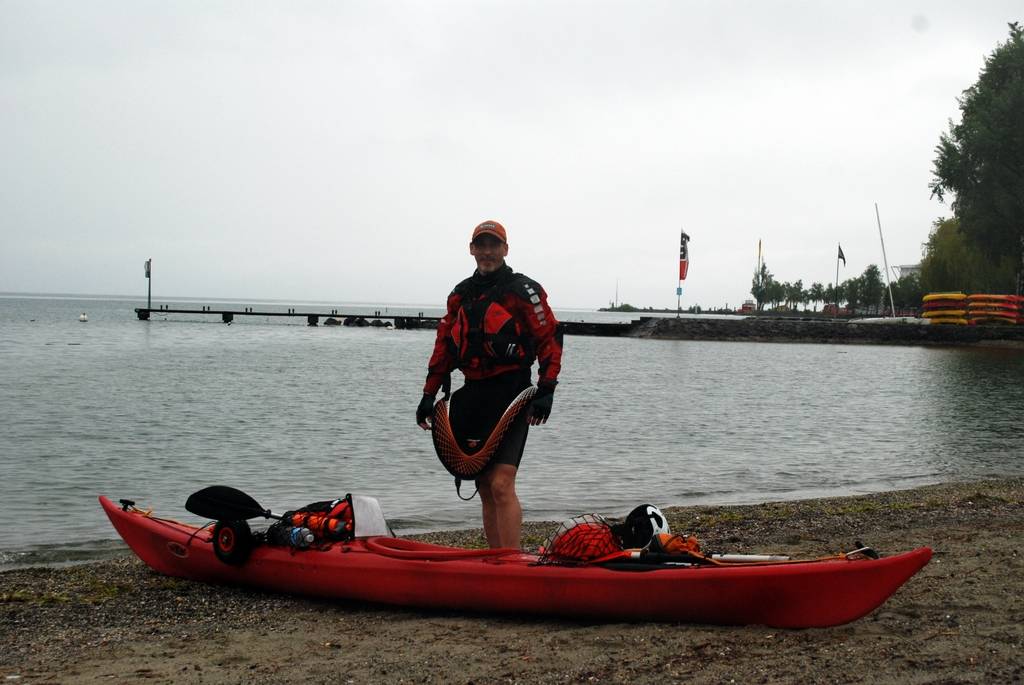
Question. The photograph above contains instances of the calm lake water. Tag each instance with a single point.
(153, 411)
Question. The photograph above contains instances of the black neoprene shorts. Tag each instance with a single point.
(476, 408)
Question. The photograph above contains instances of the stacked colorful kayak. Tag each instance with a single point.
(945, 308)
(390, 570)
(995, 309)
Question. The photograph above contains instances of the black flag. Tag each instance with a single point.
(841, 255)
(149, 262)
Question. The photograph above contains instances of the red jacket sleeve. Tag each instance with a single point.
(442, 361)
(543, 328)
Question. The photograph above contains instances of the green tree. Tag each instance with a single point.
(776, 293)
(981, 159)
(835, 295)
(852, 292)
(952, 262)
(762, 282)
(785, 290)
(907, 291)
(816, 293)
(872, 288)
(796, 293)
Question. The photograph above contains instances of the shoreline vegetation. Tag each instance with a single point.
(961, 619)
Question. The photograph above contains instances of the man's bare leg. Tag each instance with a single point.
(502, 513)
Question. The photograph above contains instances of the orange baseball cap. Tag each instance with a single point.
(491, 228)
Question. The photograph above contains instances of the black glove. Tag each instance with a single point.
(540, 407)
(425, 411)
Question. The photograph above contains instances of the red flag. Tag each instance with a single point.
(684, 255)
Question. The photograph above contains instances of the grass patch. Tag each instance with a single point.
(98, 591)
(29, 597)
(870, 508)
(985, 500)
(716, 518)
(534, 540)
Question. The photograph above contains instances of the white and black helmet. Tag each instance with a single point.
(642, 524)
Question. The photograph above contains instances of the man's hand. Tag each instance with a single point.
(540, 407)
(425, 411)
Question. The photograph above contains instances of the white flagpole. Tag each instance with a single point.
(885, 261)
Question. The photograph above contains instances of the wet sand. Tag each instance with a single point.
(961, 619)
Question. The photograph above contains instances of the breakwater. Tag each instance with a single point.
(766, 329)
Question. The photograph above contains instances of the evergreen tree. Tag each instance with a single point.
(981, 159)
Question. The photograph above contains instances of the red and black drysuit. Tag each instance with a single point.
(495, 327)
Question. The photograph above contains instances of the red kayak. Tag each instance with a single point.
(407, 573)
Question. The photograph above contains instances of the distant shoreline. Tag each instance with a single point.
(825, 330)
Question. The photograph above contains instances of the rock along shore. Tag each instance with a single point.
(773, 329)
(961, 619)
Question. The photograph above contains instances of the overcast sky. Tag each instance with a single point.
(343, 151)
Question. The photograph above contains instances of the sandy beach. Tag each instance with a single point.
(961, 619)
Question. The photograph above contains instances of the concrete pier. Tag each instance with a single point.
(333, 317)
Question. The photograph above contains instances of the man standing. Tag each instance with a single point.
(497, 324)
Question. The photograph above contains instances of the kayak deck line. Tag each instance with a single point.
(409, 573)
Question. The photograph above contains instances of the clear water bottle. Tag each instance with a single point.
(290, 536)
(300, 537)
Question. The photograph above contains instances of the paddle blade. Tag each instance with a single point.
(223, 503)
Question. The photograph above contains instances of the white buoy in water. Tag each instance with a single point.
(83, 318)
